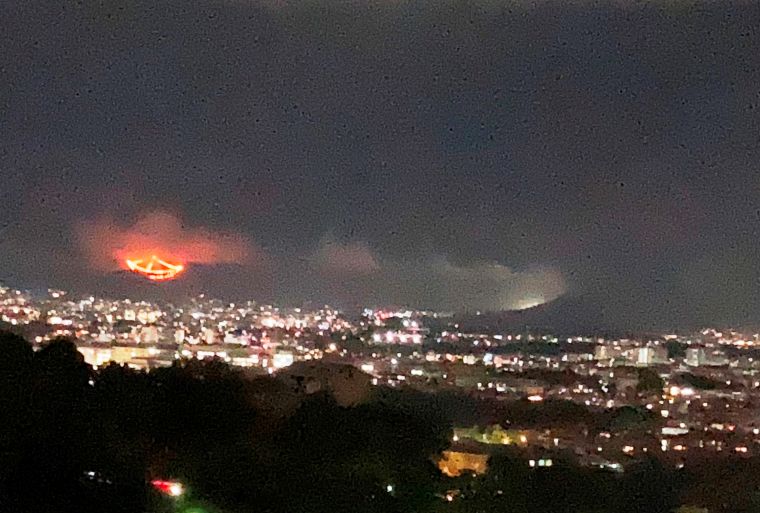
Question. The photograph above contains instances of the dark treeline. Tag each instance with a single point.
(75, 439)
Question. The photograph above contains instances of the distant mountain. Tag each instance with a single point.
(568, 315)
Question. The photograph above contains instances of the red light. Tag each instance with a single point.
(171, 488)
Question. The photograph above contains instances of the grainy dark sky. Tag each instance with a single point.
(457, 154)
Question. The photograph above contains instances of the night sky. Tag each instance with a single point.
(457, 155)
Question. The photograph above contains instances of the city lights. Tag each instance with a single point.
(687, 395)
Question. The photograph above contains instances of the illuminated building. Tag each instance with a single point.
(149, 335)
(347, 384)
(282, 359)
(455, 463)
(645, 356)
(95, 356)
(698, 357)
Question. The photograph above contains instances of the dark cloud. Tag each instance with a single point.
(353, 272)
(437, 283)
(352, 258)
(612, 143)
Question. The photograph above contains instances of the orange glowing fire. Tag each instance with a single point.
(155, 268)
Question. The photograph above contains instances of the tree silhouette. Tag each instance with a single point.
(649, 381)
(16, 375)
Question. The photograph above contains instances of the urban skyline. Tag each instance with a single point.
(545, 401)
